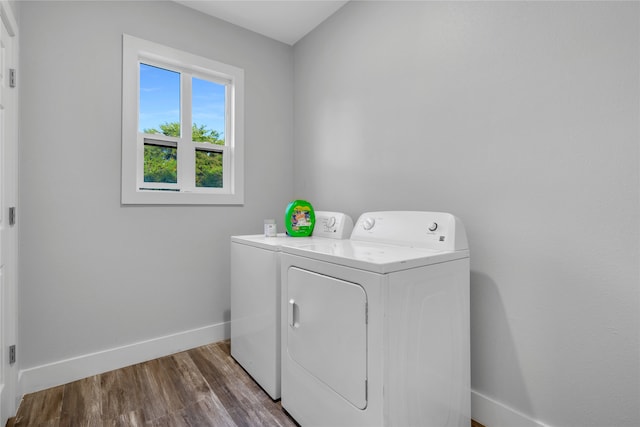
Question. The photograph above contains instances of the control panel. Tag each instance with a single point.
(431, 230)
(334, 225)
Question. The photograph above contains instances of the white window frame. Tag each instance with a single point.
(134, 189)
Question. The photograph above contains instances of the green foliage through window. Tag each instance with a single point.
(208, 169)
(160, 162)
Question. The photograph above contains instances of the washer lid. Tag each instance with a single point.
(375, 257)
(276, 243)
(272, 243)
(330, 225)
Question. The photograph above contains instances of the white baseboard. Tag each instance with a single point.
(68, 370)
(491, 413)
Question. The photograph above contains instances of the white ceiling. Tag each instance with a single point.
(286, 20)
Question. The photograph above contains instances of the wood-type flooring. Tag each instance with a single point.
(199, 387)
(196, 388)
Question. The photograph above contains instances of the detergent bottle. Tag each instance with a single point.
(299, 218)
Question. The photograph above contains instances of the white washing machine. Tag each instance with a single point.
(255, 296)
(376, 328)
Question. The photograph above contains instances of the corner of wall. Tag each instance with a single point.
(491, 413)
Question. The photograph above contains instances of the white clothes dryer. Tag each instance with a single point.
(376, 328)
(255, 296)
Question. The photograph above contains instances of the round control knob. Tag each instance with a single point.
(331, 221)
(433, 226)
(368, 223)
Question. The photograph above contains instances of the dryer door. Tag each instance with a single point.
(327, 332)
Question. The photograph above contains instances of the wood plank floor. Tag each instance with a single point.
(197, 388)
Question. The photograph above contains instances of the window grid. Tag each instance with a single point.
(228, 189)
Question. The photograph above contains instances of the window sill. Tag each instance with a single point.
(151, 197)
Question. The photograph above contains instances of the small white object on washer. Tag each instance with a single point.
(376, 328)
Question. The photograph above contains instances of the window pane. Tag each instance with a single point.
(208, 111)
(159, 101)
(208, 169)
(160, 164)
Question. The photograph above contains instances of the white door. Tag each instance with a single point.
(327, 332)
(8, 199)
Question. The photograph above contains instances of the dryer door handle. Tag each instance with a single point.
(294, 314)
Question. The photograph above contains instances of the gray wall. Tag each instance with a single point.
(96, 275)
(522, 119)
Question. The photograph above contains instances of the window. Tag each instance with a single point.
(182, 127)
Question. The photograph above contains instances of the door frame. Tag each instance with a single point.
(9, 397)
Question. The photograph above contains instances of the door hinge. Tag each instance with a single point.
(12, 215)
(12, 77)
(12, 354)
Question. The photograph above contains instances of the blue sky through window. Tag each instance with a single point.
(160, 100)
